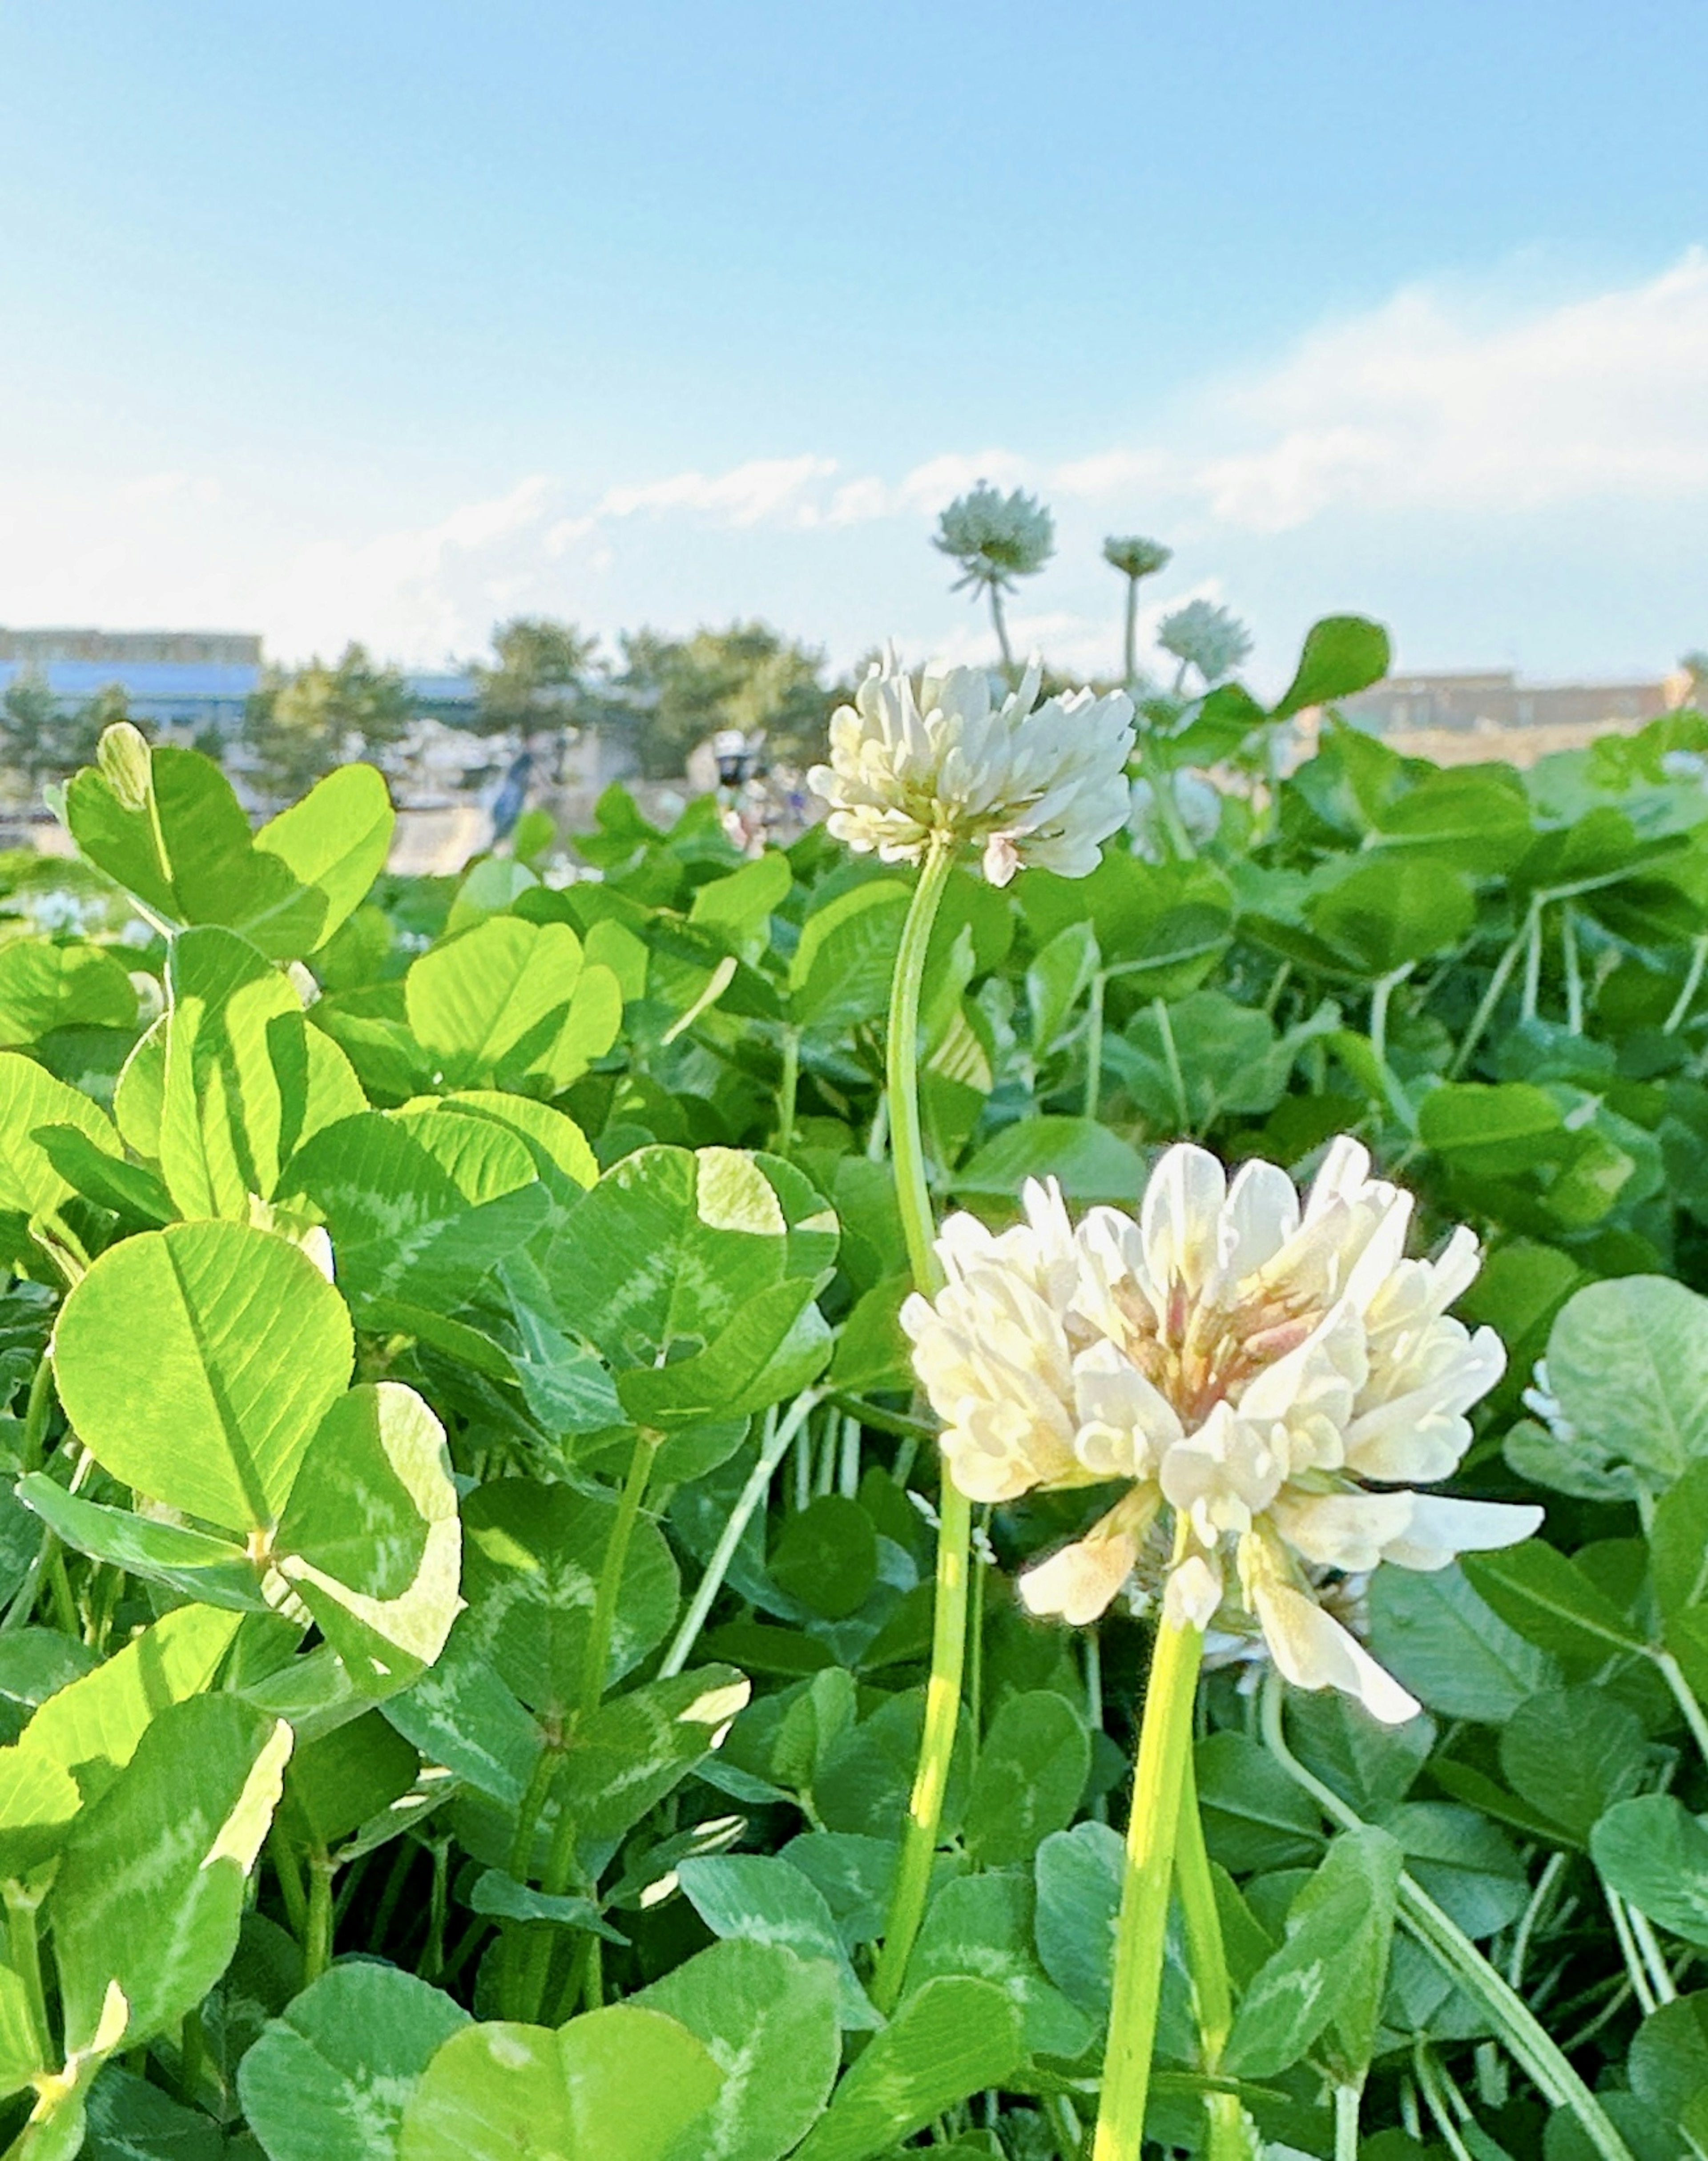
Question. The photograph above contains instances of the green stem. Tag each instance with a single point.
(1206, 1959)
(192, 2055)
(1129, 648)
(66, 1616)
(33, 1446)
(598, 1652)
(1491, 998)
(1692, 984)
(1347, 2100)
(902, 1065)
(317, 1946)
(1094, 1045)
(1533, 967)
(1645, 2000)
(1159, 1782)
(954, 1527)
(787, 1087)
(1573, 964)
(907, 1906)
(771, 1454)
(290, 1882)
(1672, 1674)
(1382, 990)
(1527, 2040)
(1171, 1059)
(518, 1935)
(432, 1963)
(1002, 628)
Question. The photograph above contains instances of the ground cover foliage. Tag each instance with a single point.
(467, 1535)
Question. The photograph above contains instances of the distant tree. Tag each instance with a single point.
(670, 693)
(42, 740)
(1694, 664)
(302, 722)
(539, 689)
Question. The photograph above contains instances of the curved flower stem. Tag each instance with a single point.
(1531, 2046)
(913, 1881)
(902, 1065)
(1159, 1782)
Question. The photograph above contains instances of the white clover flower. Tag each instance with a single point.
(1135, 556)
(996, 537)
(1206, 636)
(1271, 1378)
(1029, 784)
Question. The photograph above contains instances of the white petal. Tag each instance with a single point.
(1181, 1216)
(1111, 1398)
(1192, 1595)
(1223, 1475)
(1312, 1650)
(1441, 1527)
(1345, 1173)
(1349, 1531)
(1079, 1582)
(1261, 1215)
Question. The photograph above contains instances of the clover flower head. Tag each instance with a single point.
(1210, 638)
(996, 537)
(1028, 784)
(1270, 1376)
(1136, 557)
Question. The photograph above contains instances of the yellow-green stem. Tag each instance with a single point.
(1159, 1780)
(901, 1067)
(955, 1528)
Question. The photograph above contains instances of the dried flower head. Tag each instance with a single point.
(1028, 784)
(996, 537)
(1268, 1376)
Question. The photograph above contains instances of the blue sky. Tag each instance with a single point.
(385, 320)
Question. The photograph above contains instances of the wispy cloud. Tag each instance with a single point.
(1425, 405)
(1443, 410)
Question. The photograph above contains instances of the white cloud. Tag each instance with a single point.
(1431, 431)
(1425, 405)
(763, 491)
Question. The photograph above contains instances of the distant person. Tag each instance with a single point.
(509, 803)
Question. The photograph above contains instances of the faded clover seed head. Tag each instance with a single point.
(1028, 784)
(1135, 556)
(996, 537)
(1210, 638)
(1272, 1378)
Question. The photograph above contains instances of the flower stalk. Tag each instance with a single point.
(1161, 1777)
(955, 1526)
